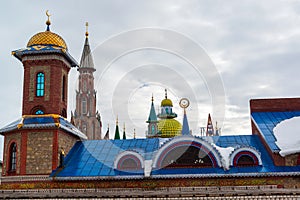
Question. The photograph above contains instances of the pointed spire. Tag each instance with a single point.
(106, 137)
(185, 125)
(152, 116)
(86, 60)
(124, 134)
(117, 133)
(184, 103)
(48, 22)
(134, 134)
(210, 127)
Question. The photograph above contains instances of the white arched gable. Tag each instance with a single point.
(129, 154)
(245, 149)
(185, 141)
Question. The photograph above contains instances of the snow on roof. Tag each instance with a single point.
(225, 153)
(287, 133)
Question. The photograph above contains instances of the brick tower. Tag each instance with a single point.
(33, 143)
(85, 117)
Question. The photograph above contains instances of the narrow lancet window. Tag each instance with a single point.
(40, 84)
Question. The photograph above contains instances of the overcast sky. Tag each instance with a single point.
(248, 49)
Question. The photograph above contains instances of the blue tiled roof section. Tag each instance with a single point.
(11, 126)
(71, 128)
(39, 120)
(266, 121)
(96, 157)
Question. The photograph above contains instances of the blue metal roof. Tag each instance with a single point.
(41, 49)
(266, 121)
(43, 121)
(95, 158)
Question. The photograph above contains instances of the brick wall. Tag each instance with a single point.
(65, 141)
(54, 69)
(39, 153)
(275, 105)
(291, 160)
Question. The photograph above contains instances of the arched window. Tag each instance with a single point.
(129, 161)
(245, 157)
(129, 164)
(39, 112)
(245, 160)
(13, 157)
(63, 91)
(40, 84)
(186, 157)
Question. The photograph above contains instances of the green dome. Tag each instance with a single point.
(169, 128)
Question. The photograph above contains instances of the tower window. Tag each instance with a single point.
(13, 157)
(40, 84)
(63, 92)
(84, 106)
(39, 112)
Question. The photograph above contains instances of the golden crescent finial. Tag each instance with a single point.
(48, 15)
(86, 29)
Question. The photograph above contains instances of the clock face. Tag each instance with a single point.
(184, 103)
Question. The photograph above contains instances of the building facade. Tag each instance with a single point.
(45, 156)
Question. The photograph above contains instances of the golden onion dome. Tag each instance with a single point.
(169, 128)
(166, 102)
(47, 38)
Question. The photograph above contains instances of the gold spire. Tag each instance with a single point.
(124, 127)
(117, 121)
(48, 22)
(86, 29)
(152, 99)
(166, 94)
(134, 133)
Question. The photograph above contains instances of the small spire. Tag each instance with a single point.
(152, 99)
(166, 94)
(124, 133)
(86, 29)
(117, 134)
(134, 134)
(117, 121)
(48, 22)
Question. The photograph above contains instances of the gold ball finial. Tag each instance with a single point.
(86, 29)
(48, 20)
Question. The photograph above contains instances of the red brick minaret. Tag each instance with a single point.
(85, 117)
(33, 143)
